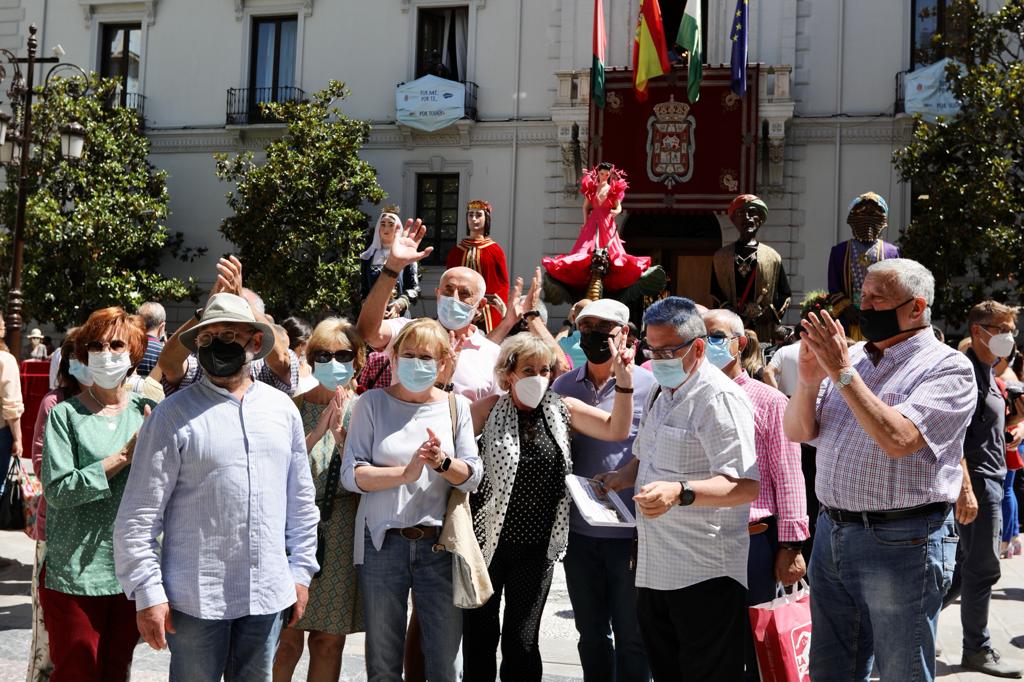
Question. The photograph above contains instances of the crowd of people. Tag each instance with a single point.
(225, 490)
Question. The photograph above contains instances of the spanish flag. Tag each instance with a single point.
(650, 55)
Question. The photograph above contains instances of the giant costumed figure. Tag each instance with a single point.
(747, 276)
(481, 253)
(848, 263)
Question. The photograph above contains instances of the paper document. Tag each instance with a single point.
(598, 508)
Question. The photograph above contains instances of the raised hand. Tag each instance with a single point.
(405, 248)
(229, 277)
(623, 353)
(825, 336)
(533, 295)
(809, 372)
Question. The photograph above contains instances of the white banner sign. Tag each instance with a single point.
(430, 103)
(926, 92)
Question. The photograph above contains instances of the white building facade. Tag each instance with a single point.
(827, 106)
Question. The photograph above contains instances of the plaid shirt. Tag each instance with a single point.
(259, 370)
(376, 372)
(933, 386)
(778, 461)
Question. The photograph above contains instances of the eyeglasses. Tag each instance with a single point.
(114, 345)
(346, 355)
(664, 353)
(227, 336)
(1002, 329)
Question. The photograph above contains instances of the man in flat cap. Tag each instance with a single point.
(747, 276)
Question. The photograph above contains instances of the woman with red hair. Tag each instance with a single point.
(87, 449)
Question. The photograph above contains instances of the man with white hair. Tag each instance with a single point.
(155, 319)
(460, 295)
(889, 420)
(778, 517)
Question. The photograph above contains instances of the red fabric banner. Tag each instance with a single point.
(680, 157)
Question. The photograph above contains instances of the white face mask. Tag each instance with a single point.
(109, 369)
(530, 390)
(1001, 345)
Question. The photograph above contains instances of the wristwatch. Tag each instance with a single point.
(846, 375)
(686, 494)
(531, 314)
(444, 466)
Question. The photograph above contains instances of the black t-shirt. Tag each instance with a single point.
(985, 440)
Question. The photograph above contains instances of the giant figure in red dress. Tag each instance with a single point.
(603, 189)
(481, 253)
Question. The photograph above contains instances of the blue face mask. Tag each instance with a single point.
(718, 353)
(416, 375)
(80, 372)
(333, 374)
(454, 314)
(669, 373)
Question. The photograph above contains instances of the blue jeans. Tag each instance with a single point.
(385, 579)
(1011, 524)
(6, 443)
(241, 649)
(603, 595)
(876, 592)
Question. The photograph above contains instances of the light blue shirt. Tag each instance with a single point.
(227, 482)
(386, 431)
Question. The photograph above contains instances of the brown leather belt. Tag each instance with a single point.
(416, 532)
(756, 528)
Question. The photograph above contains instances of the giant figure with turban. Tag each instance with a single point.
(747, 276)
(868, 216)
(481, 253)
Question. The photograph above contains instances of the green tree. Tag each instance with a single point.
(93, 233)
(297, 221)
(967, 173)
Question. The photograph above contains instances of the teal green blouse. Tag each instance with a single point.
(81, 502)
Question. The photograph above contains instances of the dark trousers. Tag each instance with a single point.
(808, 455)
(694, 633)
(92, 639)
(524, 575)
(602, 590)
(760, 585)
(977, 564)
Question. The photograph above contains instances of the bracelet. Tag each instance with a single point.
(385, 270)
(448, 388)
(622, 389)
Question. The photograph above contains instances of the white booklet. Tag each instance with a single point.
(599, 508)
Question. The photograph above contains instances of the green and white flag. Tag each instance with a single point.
(688, 38)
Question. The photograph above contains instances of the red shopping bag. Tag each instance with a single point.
(782, 635)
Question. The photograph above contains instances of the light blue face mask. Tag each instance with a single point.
(670, 373)
(416, 375)
(718, 353)
(453, 314)
(333, 374)
(80, 372)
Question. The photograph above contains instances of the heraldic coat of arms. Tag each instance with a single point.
(670, 142)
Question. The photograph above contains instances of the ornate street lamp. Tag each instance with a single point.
(16, 149)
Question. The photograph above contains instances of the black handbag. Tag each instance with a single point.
(12, 513)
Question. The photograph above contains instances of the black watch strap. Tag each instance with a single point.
(444, 466)
(686, 494)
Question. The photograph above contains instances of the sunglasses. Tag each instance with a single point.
(346, 355)
(114, 345)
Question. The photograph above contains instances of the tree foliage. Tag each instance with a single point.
(93, 234)
(967, 173)
(297, 220)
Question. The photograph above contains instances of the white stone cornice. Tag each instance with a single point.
(240, 6)
(91, 7)
(852, 130)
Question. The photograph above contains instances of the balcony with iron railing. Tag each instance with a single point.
(243, 105)
(130, 100)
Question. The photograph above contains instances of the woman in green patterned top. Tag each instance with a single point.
(335, 607)
(88, 446)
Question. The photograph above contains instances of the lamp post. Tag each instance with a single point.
(17, 149)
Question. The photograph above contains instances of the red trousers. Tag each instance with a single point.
(92, 639)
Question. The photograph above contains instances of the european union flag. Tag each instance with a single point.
(739, 49)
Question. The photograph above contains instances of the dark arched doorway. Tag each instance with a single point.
(681, 243)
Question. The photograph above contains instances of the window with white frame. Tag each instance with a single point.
(442, 42)
(121, 59)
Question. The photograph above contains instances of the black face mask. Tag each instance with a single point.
(879, 325)
(595, 346)
(221, 359)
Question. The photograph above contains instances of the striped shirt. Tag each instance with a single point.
(778, 460)
(149, 358)
(227, 482)
(930, 384)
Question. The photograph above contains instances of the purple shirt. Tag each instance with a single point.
(933, 386)
(591, 456)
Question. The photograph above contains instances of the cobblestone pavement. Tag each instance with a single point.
(558, 636)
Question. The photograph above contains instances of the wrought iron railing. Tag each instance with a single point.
(130, 100)
(243, 106)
